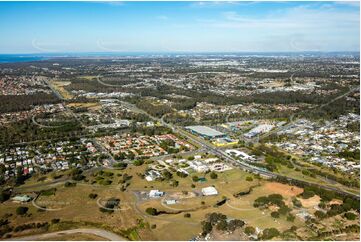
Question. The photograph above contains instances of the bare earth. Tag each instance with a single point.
(310, 202)
(283, 189)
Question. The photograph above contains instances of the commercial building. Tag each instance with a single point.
(240, 154)
(260, 129)
(205, 132)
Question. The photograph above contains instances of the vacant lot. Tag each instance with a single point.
(283, 189)
(310, 202)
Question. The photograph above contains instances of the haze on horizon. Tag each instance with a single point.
(48, 27)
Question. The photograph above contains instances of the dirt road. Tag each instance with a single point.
(98, 232)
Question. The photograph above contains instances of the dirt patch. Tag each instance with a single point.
(283, 189)
(181, 195)
(237, 235)
(273, 208)
(83, 105)
(310, 202)
(335, 201)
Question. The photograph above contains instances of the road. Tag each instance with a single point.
(244, 166)
(98, 232)
(292, 121)
(106, 84)
(144, 214)
(96, 144)
(57, 94)
(183, 153)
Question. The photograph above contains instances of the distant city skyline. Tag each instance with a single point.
(58, 27)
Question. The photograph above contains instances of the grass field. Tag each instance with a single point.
(73, 204)
(318, 179)
(227, 184)
(87, 77)
(91, 105)
(59, 86)
(283, 170)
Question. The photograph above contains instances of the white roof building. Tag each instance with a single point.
(239, 154)
(155, 193)
(170, 202)
(209, 191)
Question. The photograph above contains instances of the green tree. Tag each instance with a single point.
(138, 162)
(320, 214)
(151, 211)
(350, 216)
(249, 230)
(275, 215)
(291, 218)
(213, 175)
(207, 228)
(249, 178)
(270, 233)
(93, 195)
(21, 210)
(222, 225)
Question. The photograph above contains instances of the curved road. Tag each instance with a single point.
(106, 84)
(98, 232)
(45, 126)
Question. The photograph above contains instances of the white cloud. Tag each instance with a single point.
(298, 18)
(350, 3)
(298, 28)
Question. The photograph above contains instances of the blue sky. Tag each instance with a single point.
(42, 27)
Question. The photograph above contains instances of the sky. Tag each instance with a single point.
(57, 27)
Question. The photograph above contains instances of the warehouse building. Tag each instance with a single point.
(260, 129)
(205, 132)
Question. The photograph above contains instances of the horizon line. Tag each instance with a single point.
(178, 52)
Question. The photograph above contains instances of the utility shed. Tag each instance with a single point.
(170, 202)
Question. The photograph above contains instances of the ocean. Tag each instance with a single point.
(20, 58)
(13, 58)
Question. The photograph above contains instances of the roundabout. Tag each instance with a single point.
(53, 118)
